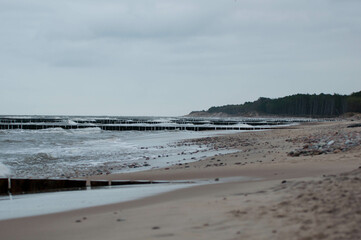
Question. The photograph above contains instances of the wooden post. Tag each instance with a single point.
(4, 186)
(20, 186)
(99, 183)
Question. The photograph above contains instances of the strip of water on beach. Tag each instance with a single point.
(26, 205)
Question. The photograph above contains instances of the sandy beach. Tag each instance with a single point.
(306, 185)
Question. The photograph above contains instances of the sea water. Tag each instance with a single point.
(59, 153)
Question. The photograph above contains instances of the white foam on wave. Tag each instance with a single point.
(46, 130)
(71, 122)
(4, 171)
(89, 130)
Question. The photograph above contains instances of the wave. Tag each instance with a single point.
(52, 130)
(89, 130)
(70, 122)
(40, 158)
(55, 130)
(12, 141)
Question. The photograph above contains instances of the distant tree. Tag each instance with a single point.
(354, 102)
(322, 105)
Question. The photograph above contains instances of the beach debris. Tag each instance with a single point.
(238, 213)
(354, 125)
(318, 144)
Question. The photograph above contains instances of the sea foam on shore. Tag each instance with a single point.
(4, 171)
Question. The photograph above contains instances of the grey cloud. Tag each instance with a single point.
(214, 52)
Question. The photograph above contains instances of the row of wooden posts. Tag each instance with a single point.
(22, 186)
(4, 126)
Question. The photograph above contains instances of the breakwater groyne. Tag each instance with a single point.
(141, 123)
(25, 186)
(21, 186)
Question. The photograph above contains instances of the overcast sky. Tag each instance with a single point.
(169, 57)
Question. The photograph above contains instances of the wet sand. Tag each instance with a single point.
(308, 188)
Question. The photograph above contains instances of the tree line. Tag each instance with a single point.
(301, 105)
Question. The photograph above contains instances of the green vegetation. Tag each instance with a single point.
(305, 105)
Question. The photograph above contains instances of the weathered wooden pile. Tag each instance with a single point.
(22, 186)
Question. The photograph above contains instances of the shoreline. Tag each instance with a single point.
(255, 154)
(214, 210)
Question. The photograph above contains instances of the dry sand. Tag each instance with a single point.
(310, 188)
